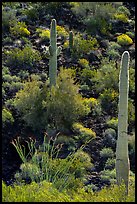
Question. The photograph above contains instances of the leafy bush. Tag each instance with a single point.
(107, 153)
(45, 165)
(123, 10)
(8, 18)
(7, 116)
(20, 29)
(109, 138)
(112, 123)
(46, 192)
(124, 40)
(58, 107)
(61, 31)
(121, 17)
(23, 59)
(82, 46)
(110, 164)
(86, 134)
(44, 34)
(109, 101)
(84, 63)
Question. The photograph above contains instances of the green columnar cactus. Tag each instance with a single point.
(71, 40)
(122, 160)
(52, 53)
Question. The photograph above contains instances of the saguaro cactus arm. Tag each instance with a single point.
(122, 160)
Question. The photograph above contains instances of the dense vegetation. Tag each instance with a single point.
(59, 142)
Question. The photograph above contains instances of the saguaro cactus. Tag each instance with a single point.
(52, 53)
(122, 160)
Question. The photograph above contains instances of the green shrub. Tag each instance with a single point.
(45, 165)
(58, 107)
(109, 138)
(112, 123)
(123, 10)
(23, 59)
(82, 46)
(107, 153)
(8, 18)
(109, 100)
(85, 134)
(124, 40)
(45, 192)
(20, 29)
(44, 34)
(110, 164)
(61, 31)
(7, 116)
(121, 17)
(84, 63)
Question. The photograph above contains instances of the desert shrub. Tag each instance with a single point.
(45, 165)
(82, 46)
(109, 175)
(61, 31)
(96, 16)
(106, 153)
(31, 12)
(59, 106)
(105, 77)
(84, 63)
(121, 17)
(44, 34)
(68, 142)
(123, 10)
(124, 40)
(7, 116)
(95, 106)
(109, 101)
(23, 59)
(8, 18)
(112, 123)
(20, 29)
(113, 54)
(109, 138)
(85, 134)
(46, 192)
(130, 34)
(110, 164)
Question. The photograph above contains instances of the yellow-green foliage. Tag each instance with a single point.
(66, 44)
(19, 29)
(7, 116)
(61, 31)
(23, 59)
(45, 192)
(113, 123)
(59, 106)
(87, 132)
(43, 33)
(82, 46)
(121, 17)
(124, 40)
(84, 63)
(91, 102)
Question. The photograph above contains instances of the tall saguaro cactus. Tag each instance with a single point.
(52, 54)
(122, 159)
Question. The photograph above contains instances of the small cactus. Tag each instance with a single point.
(122, 159)
(52, 53)
(71, 40)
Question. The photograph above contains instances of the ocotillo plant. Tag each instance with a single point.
(122, 160)
(52, 54)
